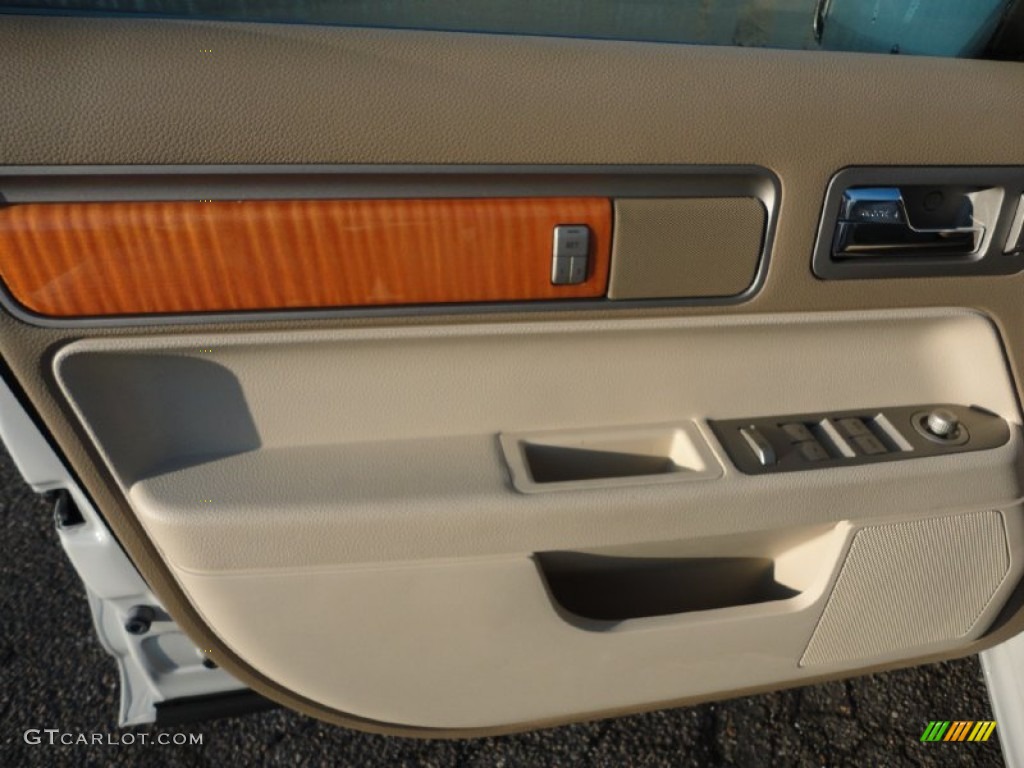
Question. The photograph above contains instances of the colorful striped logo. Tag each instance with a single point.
(958, 730)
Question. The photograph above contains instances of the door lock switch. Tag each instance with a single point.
(570, 254)
(763, 450)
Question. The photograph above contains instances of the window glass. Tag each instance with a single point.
(931, 27)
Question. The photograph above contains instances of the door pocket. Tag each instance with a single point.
(608, 588)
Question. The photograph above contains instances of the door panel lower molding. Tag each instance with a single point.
(431, 644)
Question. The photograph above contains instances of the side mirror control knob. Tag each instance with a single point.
(942, 423)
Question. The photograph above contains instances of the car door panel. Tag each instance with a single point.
(328, 499)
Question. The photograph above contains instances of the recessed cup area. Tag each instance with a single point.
(607, 457)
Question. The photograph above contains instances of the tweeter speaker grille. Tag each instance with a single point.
(911, 584)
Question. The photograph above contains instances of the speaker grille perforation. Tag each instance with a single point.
(911, 584)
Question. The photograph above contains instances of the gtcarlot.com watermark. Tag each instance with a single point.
(56, 737)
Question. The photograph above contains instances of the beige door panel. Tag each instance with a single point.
(362, 470)
(327, 502)
(363, 446)
(480, 644)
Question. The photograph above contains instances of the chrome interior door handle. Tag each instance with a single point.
(873, 222)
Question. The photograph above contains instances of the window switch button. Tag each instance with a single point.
(852, 427)
(813, 451)
(869, 445)
(797, 432)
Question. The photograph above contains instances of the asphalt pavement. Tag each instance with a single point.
(54, 675)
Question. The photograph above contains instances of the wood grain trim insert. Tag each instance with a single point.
(126, 258)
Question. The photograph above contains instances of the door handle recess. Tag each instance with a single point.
(873, 222)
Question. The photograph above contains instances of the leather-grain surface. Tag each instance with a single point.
(129, 91)
(685, 248)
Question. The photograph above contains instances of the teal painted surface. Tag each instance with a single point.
(932, 27)
(937, 27)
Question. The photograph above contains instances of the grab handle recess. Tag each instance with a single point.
(873, 222)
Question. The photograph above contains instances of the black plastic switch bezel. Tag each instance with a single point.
(892, 426)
